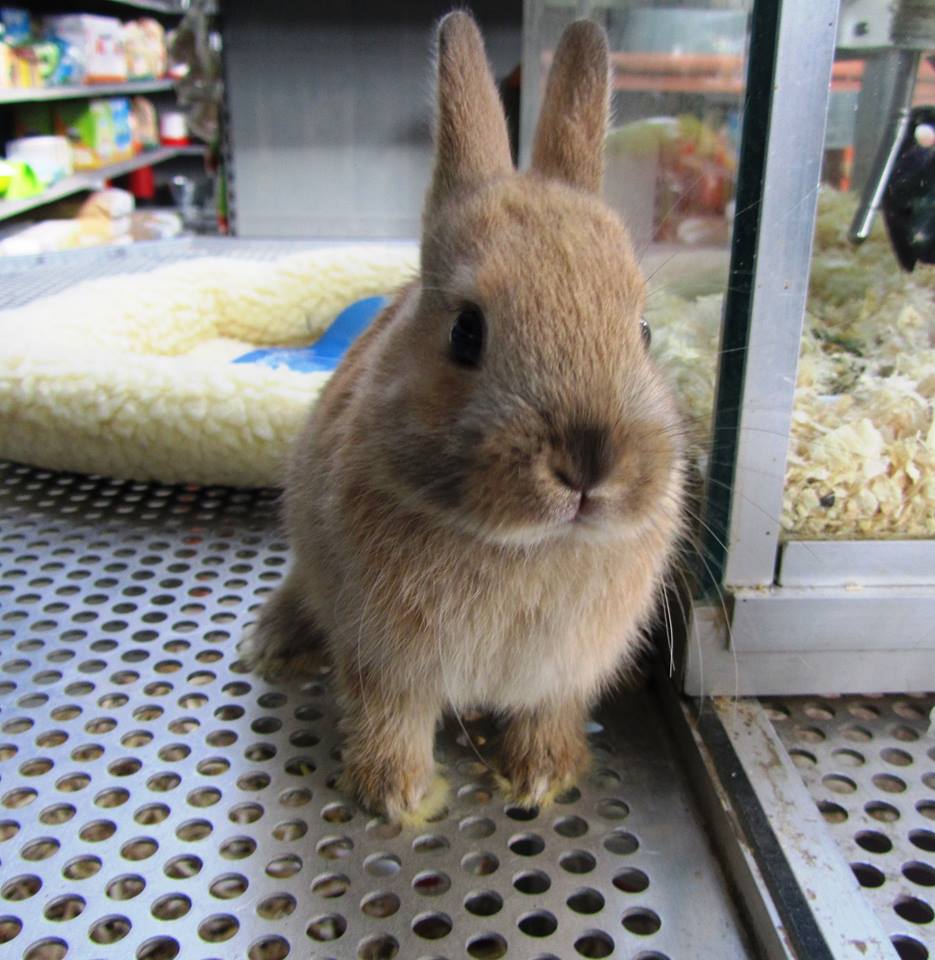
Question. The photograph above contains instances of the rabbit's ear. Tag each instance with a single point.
(569, 142)
(471, 140)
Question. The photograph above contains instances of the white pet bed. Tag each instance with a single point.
(131, 376)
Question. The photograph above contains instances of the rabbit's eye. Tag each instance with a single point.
(467, 337)
(647, 334)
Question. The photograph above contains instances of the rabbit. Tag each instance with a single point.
(488, 492)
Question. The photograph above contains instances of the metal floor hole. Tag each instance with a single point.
(869, 764)
(156, 801)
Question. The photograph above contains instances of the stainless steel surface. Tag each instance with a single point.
(158, 801)
(805, 619)
(531, 79)
(129, 88)
(794, 153)
(868, 26)
(905, 66)
(865, 25)
(764, 921)
(168, 7)
(876, 93)
(847, 924)
(878, 653)
(815, 563)
(869, 765)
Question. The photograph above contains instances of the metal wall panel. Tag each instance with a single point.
(330, 107)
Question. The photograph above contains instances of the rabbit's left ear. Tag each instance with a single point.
(569, 143)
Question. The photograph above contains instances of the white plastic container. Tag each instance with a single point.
(50, 157)
(173, 128)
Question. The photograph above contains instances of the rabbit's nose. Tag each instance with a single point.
(582, 458)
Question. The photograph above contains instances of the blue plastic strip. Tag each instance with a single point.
(326, 352)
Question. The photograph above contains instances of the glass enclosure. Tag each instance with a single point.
(861, 457)
(671, 159)
(862, 452)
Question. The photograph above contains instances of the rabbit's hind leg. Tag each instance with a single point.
(286, 635)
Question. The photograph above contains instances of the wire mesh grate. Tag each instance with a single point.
(25, 278)
(869, 763)
(157, 801)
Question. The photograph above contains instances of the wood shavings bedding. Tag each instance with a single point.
(130, 376)
(862, 452)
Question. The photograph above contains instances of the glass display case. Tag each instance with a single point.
(774, 166)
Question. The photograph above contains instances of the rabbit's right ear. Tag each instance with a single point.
(471, 140)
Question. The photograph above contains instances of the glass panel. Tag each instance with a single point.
(862, 454)
(671, 164)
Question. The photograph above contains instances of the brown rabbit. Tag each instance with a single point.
(488, 491)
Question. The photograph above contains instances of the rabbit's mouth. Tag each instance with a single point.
(587, 508)
(522, 482)
(584, 507)
(543, 511)
(592, 518)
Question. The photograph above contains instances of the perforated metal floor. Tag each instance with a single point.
(869, 763)
(156, 801)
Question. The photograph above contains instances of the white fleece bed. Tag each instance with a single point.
(131, 376)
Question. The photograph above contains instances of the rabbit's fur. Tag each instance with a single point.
(440, 558)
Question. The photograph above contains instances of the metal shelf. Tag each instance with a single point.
(92, 179)
(88, 91)
(181, 801)
(169, 8)
(869, 765)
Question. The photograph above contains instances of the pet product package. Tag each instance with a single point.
(99, 131)
(96, 42)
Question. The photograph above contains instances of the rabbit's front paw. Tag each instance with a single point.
(397, 789)
(544, 753)
(388, 762)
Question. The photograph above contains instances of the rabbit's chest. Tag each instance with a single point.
(532, 639)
